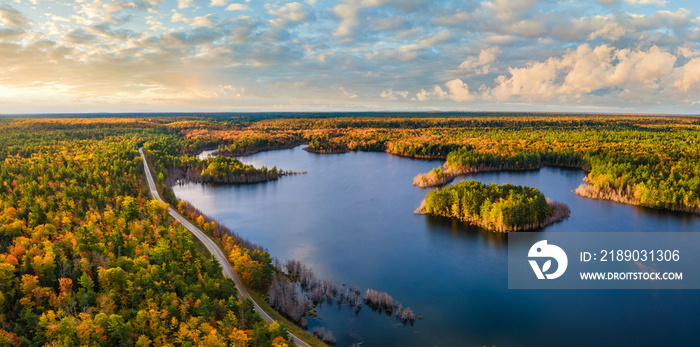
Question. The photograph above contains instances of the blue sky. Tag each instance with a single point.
(631, 56)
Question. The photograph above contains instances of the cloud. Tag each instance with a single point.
(407, 53)
(457, 18)
(291, 12)
(105, 30)
(653, 28)
(13, 18)
(391, 24)
(198, 22)
(390, 94)
(203, 21)
(347, 13)
(154, 24)
(457, 91)
(491, 52)
(482, 64)
(586, 28)
(604, 68)
(118, 6)
(530, 28)
(646, 2)
(610, 31)
(153, 3)
(178, 17)
(687, 76)
(508, 11)
(435, 39)
(348, 94)
(97, 11)
(238, 7)
(405, 5)
(11, 33)
(229, 90)
(668, 19)
(184, 3)
(633, 2)
(435, 93)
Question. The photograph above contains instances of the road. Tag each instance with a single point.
(211, 246)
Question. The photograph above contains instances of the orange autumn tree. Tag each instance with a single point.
(254, 267)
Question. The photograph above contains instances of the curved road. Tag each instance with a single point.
(211, 246)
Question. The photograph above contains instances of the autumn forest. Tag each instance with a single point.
(89, 258)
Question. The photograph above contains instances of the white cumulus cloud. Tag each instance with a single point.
(632, 74)
(457, 90)
(390, 94)
(481, 64)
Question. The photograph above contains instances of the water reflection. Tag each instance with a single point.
(461, 231)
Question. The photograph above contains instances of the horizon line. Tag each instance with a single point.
(389, 112)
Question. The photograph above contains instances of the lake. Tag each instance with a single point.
(350, 218)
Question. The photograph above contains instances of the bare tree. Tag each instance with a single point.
(284, 297)
(404, 315)
(324, 335)
(293, 301)
(317, 295)
(377, 300)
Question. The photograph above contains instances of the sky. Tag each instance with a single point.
(626, 56)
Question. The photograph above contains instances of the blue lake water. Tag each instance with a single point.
(350, 218)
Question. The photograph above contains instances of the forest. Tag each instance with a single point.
(496, 207)
(88, 258)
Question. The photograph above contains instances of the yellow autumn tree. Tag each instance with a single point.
(212, 340)
(238, 338)
(279, 341)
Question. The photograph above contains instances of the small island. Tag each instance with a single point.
(467, 161)
(495, 207)
(220, 169)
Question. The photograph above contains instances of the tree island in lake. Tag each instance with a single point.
(501, 208)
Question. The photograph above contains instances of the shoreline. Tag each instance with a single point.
(625, 197)
(427, 179)
(230, 154)
(422, 157)
(561, 212)
(180, 176)
(326, 151)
